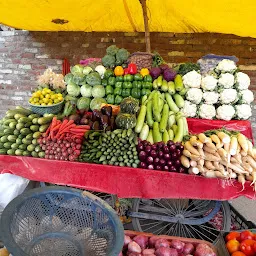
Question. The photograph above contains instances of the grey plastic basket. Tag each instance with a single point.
(55, 221)
(41, 110)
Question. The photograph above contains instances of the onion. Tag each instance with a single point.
(177, 163)
(178, 152)
(162, 162)
(167, 156)
(151, 167)
(120, 254)
(169, 163)
(204, 250)
(170, 143)
(50, 157)
(172, 169)
(160, 154)
(46, 156)
(161, 243)
(143, 165)
(142, 155)
(67, 145)
(43, 147)
(127, 240)
(160, 145)
(148, 252)
(166, 149)
(188, 249)
(150, 159)
(70, 150)
(153, 153)
(142, 241)
(152, 241)
(154, 147)
(172, 148)
(182, 170)
(174, 155)
(79, 146)
(162, 251)
(178, 245)
(158, 167)
(134, 247)
(166, 168)
(156, 160)
(148, 149)
(140, 147)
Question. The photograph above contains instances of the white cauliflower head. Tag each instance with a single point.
(225, 112)
(247, 96)
(192, 79)
(243, 111)
(189, 109)
(242, 81)
(228, 96)
(209, 83)
(226, 80)
(210, 97)
(194, 95)
(226, 66)
(207, 111)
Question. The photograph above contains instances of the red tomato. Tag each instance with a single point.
(247, 247)
(254, 248)
(238, 253)
(246, 235)
(254, 237)
(233, 236)
(232, 246)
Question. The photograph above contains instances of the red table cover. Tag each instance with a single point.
(200, 125)
(122, 181)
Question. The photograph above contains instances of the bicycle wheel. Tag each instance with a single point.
(181, 217)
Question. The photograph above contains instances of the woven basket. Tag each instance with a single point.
(141, 59)
(41, 110)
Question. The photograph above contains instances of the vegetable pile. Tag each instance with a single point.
(241, 243)
(222, 154)
(141, 245)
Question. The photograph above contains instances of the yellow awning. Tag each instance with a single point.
(223, 16)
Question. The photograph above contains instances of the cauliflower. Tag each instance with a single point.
(189, 109)
(194, 95)
(207, 111)
(243, 111)
(228, 96)
(247, 96)
(242, 81)
(225, 112)
(192, 79)
(209, 83)
(226, 66)
(210, 97)
(226, 80)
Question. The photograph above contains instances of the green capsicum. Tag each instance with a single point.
(109, 89)
(119, 79)
(127, 85)
(110, 99)
(128, 78)
(118, 84)
(118, 99)
(111, 80)
(135, 93)
(118, 91)
(148, 78)
(138, 77)
(126, 93)
(108, 73)
(145, 92)
(104, 82)
(147, 85)
(136, 84)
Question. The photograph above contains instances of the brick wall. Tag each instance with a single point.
(24, 55)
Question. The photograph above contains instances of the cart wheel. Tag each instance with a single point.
(201, 219)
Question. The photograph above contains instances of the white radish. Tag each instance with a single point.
(223, 137)
(233, 146)
(241, 179)
(203, 138)
(185, 161)
(193, 170)
(209, 150)
(193, 163)
(209, 174)
(209, 165)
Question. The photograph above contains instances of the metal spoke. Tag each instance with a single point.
(193, 209)
(207, 230)
(161, 229)
(152, 226)
(160, 204)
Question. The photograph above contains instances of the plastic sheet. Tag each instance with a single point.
(200, 125)
(122, 181)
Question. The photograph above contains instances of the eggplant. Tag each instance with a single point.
(107, 110)
(96, 125)
(96, 115)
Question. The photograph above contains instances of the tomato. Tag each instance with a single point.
(247, 247)
(254, 248)
(238, 253)
(254, 237)
(233, 236)
(246, 235)
(232, 245)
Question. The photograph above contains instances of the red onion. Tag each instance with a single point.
(134, 247)
(204, 250)
(142, 155)
(143, 165)
(188, 249)
(172, 169)
(140, 147)
(158, 167)
(156, 160)
(150, 159)
(161, 243)
(172, 148)
(154, 147)
(160, 154)
(169, 163)
(162, 162)
(167, 156)
(162, 251)
(127, 240)
(166, 149)
(148, 149)
(166, 168)
(151, 167)
(142, 241)
(170, 143)
(148, 252)
(178, 245)
(153, 153)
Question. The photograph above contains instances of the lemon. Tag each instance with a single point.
(41, 96)
(49, 104)
(36, 99)
(50, 101)
(48, 96)
(43, 104)
(56, 101)
(44, 92)
(48, 91)
(60, 99)
(41, 101)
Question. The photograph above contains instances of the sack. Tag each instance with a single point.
(10, 187)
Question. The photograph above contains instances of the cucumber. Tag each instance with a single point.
(35, 120)
(19, 141)
(183, 92)
(34, 128)
(12, 138)
(171, 119)
(149, 115)
(23, 147)
(12, 125)
(175, 129)
(180, 131)
(155, 84)
(41, 154)
(8, 131)
(159, 81)
(30, 147)
(34, 154)
(164, 118)
(144, 132)
(171, 87)
(3, 151)
(156, 133)
(28, 124)
(45, 120)
(18, 116)
(18, 152)
(171, 134)
(11, 152)
(4, 138)
(43, 128)
(7, 145)
(19, 126)
(141, 119)
(150, 137)
(26, 153)
(8, 121)
(165, 136)
(179, 100)
(15, 146)
(24, 120)
(173, 107)
(26, 141)
(178, 83)
(16, 132)
(33, 116)
(164, 86)
(155, 106)
(24, 111)
(25, 131)
(37, 135)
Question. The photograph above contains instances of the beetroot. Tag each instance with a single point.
(162, 251)
(161, 243)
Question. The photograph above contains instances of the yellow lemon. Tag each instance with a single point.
(43, 104)
(56, 101)
(47, 96)
(48, 91)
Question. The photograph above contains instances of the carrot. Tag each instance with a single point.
(185, 161)
(87, 127)
(209, 165)
(191, 149)
(209, 150)
(186, 153)
(223, 137)
(211, 157)
(241, 179)
(203, 138)
(233, 146)
(193, 170)
(193, 163)
(242, 140)
(215, 139)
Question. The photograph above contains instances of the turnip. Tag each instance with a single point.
(178, 245)
(162, 251)
(161, 243)
(142, 241)
(134, 247)
(148, 252)
(188, 249)
(204, 250)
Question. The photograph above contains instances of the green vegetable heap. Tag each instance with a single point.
(111, 148)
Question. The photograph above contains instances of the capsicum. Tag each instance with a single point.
(118, 91)
(126, 93)
(148, 78)
(132, 68)
(119, 71)
(119, 79)
(111, 80)
(138, 77)
(135, 93)
(128, 78)
(109, 89)
(108, 73)
(127, 85)
(110, 99)
(118, 99)
(118, 84)
(136, 85)
(144, 72)
(104, 82)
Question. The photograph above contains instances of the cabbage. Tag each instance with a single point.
(98, 91)
(93, 78)
(77, 70)
(87, 70)
(73, 89)
(86, 90)
(96, 103)
(68, 78)
(83, 103)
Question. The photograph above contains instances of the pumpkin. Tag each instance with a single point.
(125, 121)
(129, 105)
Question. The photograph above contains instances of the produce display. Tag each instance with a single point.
(163, 246)
(241, 243)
